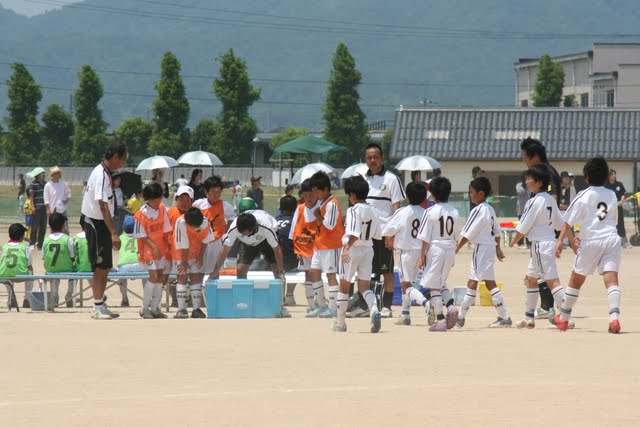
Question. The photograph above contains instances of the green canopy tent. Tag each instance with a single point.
(309, 144)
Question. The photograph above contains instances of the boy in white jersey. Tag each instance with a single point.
(595, 210)
(539, 219)
(439, 234)
(362, 226)
(482, 230)
(402, 231)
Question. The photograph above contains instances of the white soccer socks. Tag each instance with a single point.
(342, 302)
(498, 302)
(181, 295)
(370, 298)
(570, 297)
(613, 297)
(333, 293)
(196, 295)
(531, 302)
(467, 302)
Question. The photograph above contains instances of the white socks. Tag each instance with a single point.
(558, 296)
(342, 302)
(181, 295)
(318, 292)
(406, 304)
(613, 297)
(147, 294)
(333, 293)
(308, 292)
(156, 296)
(531, 302)
(196, 295)
(436, 303)
(370, 298)
(570, 297)
(469, 299)
(416, 295)
(498, 302)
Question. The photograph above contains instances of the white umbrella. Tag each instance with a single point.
(200, 158)
(354, 170)
(308, 170)
(418, 163)
(156, 162)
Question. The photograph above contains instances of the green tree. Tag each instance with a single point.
(547, 91)
(90, 139)
(203, 136)
(569, 101)
(22, 144)
(171, 110)
(56, 136)
(289, 134)
(235, 128)
(344, 120)
(135, 133)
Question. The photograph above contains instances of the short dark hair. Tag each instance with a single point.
(437, 172)
(17, 231)
(288, 204)
(152, 191)
(414, 174)
(320, 180)
(56, 221)
(211, 182)
(539, 173)
(481, 184)
(534, 147)
(440, 187)
(115, 149)
(374, 145)
(306, 185)
(289, 187)
(246, 222)
(416, 193)
(596, 170)
(193, 217)
(357, 186)
(195, 173)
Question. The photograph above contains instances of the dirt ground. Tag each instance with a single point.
(64, 369)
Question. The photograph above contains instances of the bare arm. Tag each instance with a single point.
(463, 241)
(106, 214)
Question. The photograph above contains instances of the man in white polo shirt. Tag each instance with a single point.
(385, 194)
(102, 237)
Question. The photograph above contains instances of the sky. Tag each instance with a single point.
(33, 7)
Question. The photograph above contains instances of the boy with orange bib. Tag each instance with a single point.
(183, 201)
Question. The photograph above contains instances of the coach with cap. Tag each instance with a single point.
(102, 237)
(36, 194)
(255, 192)
(57, 194)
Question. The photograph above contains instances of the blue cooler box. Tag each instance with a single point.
(241, 298)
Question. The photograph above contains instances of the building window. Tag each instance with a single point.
(436, 134)
(610, 98)
(511, 135)
(524, 103)
(584, 100)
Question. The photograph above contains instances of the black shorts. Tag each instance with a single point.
(382, 258)
(100, 244)
(246, 253)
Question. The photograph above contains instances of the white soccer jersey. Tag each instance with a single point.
(404, 224)
(99, 188)
(482, 226)
(182, 237)
(203, 204)
(362, 221)
(267, 227)
(151, 213)
(308, 216)
(540, 218)
(440, 225)
(595, 210)
(331, 216)
(384, 190)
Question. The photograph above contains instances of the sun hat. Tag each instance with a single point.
(55, 169)
(35, 172)
(184, 189)
(247, 204)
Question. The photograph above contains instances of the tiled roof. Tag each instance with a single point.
(495, 134)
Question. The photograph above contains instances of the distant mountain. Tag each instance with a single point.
(462, 51)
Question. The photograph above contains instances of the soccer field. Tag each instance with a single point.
(65, 369)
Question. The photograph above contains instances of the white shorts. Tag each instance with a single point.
(159, 264)
(439, 263)
(191, 267)
(602, 253)
(304, 263)
(361, 263)
(211, 256)
(408, 269)
(482, 263)
(542, 264)
(326, 260)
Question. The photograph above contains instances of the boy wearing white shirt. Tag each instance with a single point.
(540, 218)
(482, 230)
(595, 210)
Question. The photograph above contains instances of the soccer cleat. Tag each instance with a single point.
(563, 325)
(109, 312)
(198, 314)
(614, 327)
(327, 313)
(181, 314)
(541, 313)
(284, 314)
(431, 316)
(460, 322)
(501, 323)
(315, 312)
(452, 316)
(146, 314)
(376, 322)
(158, 314)
(552, 313)
(403, 319)
(289, 301)
(439, 326)
(526, 323)
(386, 312)
(337, 327)
(99, 313)
(357, 312)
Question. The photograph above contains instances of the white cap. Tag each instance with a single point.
(184, 189)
